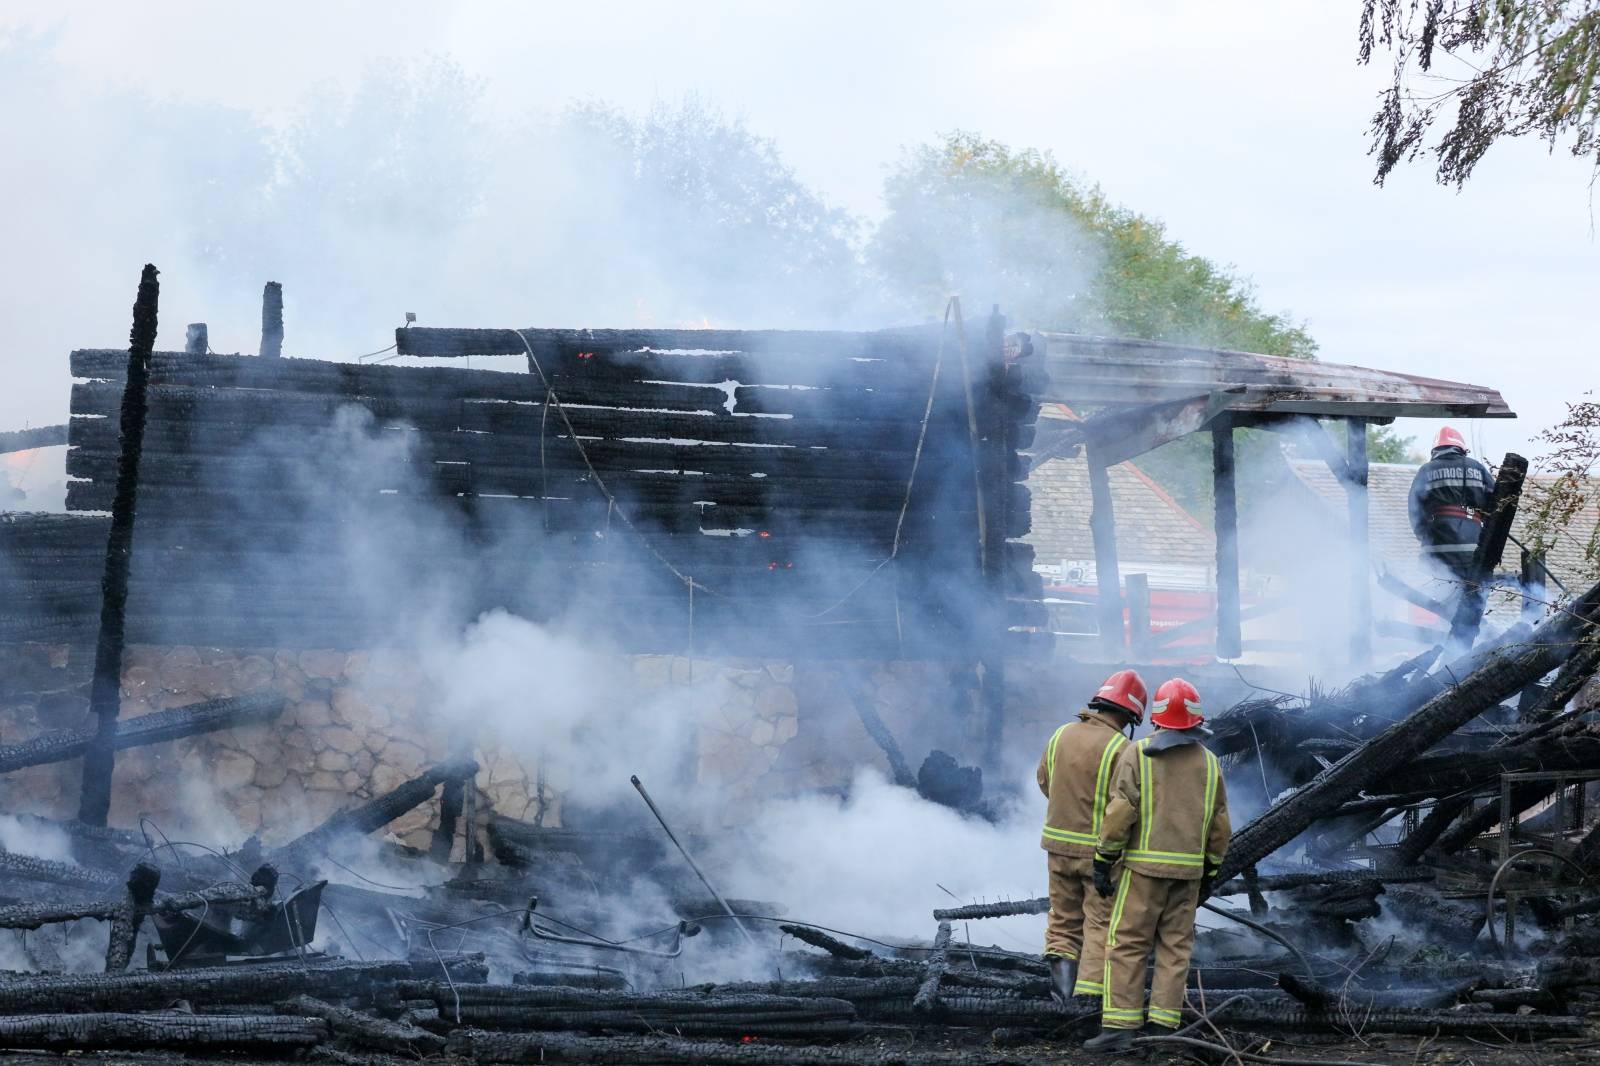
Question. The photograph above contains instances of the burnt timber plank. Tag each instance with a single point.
(171, 1031)
(1106, 370)
(156, 727)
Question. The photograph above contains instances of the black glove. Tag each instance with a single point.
(1102, 877)
(1208, 881)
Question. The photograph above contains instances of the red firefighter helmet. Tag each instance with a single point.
(1125, 691)
(1177, 705)
(1449, 438)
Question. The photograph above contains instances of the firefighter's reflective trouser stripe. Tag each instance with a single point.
(1077, 924)
(1148, 913)
(1102, 788)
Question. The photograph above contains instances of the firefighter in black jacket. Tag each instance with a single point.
(1450, 496)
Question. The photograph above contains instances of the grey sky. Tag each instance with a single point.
(1241, 124)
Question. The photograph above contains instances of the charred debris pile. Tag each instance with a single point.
(1421, 867)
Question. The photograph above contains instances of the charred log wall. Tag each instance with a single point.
(769, 469)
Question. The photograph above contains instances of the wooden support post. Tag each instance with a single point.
(1229, 640)
(1139, 615)
(1491, 546)
(105, 691)
(1103, 525)
(142, 884)
(994, 440)
(272, 320)
(451, 799)
(195, 339)
(1355, 489)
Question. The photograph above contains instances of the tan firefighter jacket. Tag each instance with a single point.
(1075, 773)
(1168, 811)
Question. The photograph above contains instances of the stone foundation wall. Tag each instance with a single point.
(357, 724)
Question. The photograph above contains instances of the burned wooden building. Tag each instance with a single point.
(805, 519)
(709, 495)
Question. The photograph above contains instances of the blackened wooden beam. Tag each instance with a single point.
(143, 990)
(105, 695)
(436, 342)
(366, 1030)
(1103, 527)
(1226, 511)
(379, 812)
(1491, 546)
(1125, 433)
(154, 728)
(272, 320)
(173, 1032)
(1357, 507)
(996, 465)
(451, 800)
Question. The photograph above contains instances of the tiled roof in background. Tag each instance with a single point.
(1152, 527)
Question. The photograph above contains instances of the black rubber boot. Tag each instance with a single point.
(1110, 1041)
(1156, 1029)
(1063, 975)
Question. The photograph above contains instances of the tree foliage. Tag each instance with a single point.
(972, 215)
(1567, 498)
(1527, 68)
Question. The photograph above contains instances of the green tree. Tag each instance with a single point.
(972, 215)
(1522, 68)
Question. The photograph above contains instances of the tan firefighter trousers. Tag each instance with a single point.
(1148, 913)
(1077, 925)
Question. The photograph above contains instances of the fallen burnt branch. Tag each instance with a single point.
(365, 1029)
(158, 727)
(169, 1030)
(1502, 672)
(28, 868)
(34, 915)
(818, 939)
(927, 997)
(264, 983)
(487, 1047)
(1284, 882)
(1406, 1022)
(1460, 770)
(816, 1021)
(359, 821)
(714, 1013)
(993, 910)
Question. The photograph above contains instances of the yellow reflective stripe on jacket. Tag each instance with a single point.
(1170, 858)
(1146, 793)
(1213, 772)
(1067, 836)
(1102, 783)
(1050, 757)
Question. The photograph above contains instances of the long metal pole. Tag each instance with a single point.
(690, 859)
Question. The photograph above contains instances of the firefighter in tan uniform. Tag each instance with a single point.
(1167, 821)
(1075, 774)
